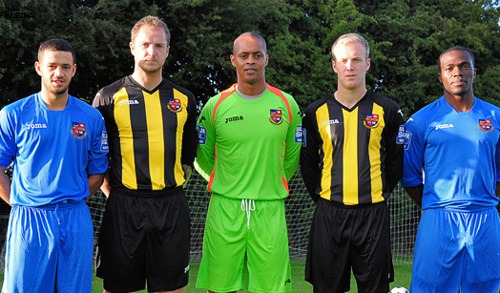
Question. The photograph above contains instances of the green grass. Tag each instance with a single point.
(402, 272)
(402, 278)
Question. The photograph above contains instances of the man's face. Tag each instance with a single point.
(250, 59)
(150, 49)
(457, 72)
(350, 64)
(56, 68)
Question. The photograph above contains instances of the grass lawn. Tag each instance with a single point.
(402, 272)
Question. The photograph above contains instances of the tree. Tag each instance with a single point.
(406, 37)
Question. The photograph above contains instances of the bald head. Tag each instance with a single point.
(249, 35)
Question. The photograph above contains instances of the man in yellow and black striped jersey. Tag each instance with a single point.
(151, 125)
(350, 163)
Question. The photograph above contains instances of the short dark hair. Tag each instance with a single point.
(56, 45)
(456, 48)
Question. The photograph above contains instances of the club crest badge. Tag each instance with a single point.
(371, 121)
(276, 116)
(485, 125)
(174, 105)
(78, 130)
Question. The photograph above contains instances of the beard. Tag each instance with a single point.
(55, 90)
(150, 69)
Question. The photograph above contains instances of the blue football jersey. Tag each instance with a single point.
(52, 152)
(455, 154)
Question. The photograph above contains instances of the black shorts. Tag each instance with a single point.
(144, 238)
(345, 238)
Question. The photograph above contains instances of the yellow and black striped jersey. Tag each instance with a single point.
(151, 133)
(350, 156)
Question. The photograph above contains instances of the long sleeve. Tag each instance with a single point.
(309, 157)
(293, 142)
(189, 137)
(205, 160)
(394, 154)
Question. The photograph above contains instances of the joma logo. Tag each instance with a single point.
(234, 118)
(35, 125)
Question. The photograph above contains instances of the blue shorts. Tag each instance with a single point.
(49, 249)
(457, 250)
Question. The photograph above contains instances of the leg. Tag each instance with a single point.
(31, 242)
(269, 268)
(74, 271)
(328, 266)
(167, 245)
(371, 252)
(482, 263)
(438, 258)
(121, 244)
(224, 246)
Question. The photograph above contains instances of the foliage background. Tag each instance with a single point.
(406, 38)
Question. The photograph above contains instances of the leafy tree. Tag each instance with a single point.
(406, 38)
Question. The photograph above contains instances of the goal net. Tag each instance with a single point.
(299, 212)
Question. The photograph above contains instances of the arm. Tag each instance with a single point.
(95, 181)
(414, 149)
(105, 187)
(293, 142)
(497, 191)
(97, 167)
(189, 136)
(205, 159)
(394, 151)
(7, 152)
(309, 156)
(415, 193)
(188, 170)
(4, 186)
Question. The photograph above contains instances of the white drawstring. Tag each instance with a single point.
(248, 205)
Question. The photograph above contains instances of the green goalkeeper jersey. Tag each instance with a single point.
(249, 148)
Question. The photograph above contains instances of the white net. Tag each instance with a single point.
(299, 212)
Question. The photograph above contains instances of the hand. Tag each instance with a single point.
(187, 174)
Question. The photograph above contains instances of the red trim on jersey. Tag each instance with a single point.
(285, 184)
(211, 179)
(224, 94)
(278, 92)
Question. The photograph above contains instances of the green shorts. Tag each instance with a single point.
(245, 235)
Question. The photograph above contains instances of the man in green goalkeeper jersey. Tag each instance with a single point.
(250, 137)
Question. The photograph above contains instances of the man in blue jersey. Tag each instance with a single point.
(452, 171)
(57, 145)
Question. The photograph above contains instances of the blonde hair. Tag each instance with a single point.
(149, 21)
(352, 38)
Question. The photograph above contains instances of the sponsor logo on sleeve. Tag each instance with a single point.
(104, 141)
(304, 137)
(404, 137)
(202, 134)
(299, 134)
